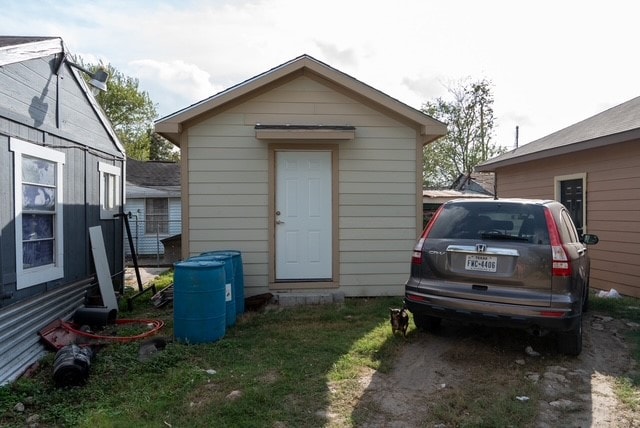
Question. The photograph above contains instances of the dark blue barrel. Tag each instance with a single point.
(236, 258)
(198, 301)
(230, 303)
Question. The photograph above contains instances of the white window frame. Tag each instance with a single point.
(106, 171)
(40, 274)
(556, 192)
(154, 220)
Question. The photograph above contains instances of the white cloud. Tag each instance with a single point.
(552, 63)
(176, 76)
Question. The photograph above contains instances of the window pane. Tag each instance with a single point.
(109, 202)
(38, 171)
(37, 226)
(38, 198)
(37, 253)
(157, 215)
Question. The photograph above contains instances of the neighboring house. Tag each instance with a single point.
(153, 199)
(314, 176)
(60, 174)
(593, 168)
(476, 185)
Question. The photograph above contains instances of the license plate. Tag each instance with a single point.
(481, 263)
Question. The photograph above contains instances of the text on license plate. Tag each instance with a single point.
(481, 263)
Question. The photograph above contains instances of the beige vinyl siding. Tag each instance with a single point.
(229, 195)
(377, 209)
(613, 206)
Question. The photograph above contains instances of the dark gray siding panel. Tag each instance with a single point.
(78, 118)
(32, 95)
(7, 235)
(81, 211)
(33, 102)
(29, 90)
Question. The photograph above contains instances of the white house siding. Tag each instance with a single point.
(228, 193)
(148, 244)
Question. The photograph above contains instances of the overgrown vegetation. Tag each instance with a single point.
(274, 368)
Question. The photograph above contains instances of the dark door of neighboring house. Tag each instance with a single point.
(572, 197)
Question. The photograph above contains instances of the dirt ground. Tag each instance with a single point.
(574, 392)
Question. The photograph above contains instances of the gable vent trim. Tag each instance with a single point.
(305, 132)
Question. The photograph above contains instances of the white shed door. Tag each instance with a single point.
(303, 215)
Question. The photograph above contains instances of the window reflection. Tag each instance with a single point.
(38, 253)
(38, 211)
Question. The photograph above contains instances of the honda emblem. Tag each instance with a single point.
(481, 248)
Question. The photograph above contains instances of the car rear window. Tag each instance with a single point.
(484, 220)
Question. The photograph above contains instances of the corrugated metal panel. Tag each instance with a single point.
(20, 344)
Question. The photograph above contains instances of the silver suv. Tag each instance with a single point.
(504, 262)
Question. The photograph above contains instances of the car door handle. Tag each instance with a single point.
(279, 222)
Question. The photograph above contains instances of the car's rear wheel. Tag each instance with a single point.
(570, 342)
(426, 322)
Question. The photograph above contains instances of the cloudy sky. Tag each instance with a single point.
(552, 62)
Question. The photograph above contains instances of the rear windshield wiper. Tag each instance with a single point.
(503, 237)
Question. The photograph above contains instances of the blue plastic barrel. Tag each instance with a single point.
(198, 301)
(236, 258)
(230, 303)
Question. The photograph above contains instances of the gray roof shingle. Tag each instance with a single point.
(617, 124)
(153, 173)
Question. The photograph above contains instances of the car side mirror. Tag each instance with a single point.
(590, 239)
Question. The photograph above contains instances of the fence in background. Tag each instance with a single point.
(148, 237)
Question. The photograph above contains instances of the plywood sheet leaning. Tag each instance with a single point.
(102, 268)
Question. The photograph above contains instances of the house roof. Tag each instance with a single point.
(480, 182)
(439, 196)
(171, 126)
(615, 125)
(152, 179)
(20, 40)
(153, 173)
(15, 49)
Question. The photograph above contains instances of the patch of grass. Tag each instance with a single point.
(271, 368)
(627, 388)
(483, 403)
(627, 391)
(625, 307)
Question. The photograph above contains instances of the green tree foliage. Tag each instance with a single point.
(131, 113)
(469, 118)
(162, 149)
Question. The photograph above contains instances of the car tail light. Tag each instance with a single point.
(552, 314)
(416, 256)
(561, 265)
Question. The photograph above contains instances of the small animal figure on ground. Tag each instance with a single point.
(399, 320)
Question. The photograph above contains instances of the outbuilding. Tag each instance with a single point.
(593, 168)
(61, 170)
(314, 176)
